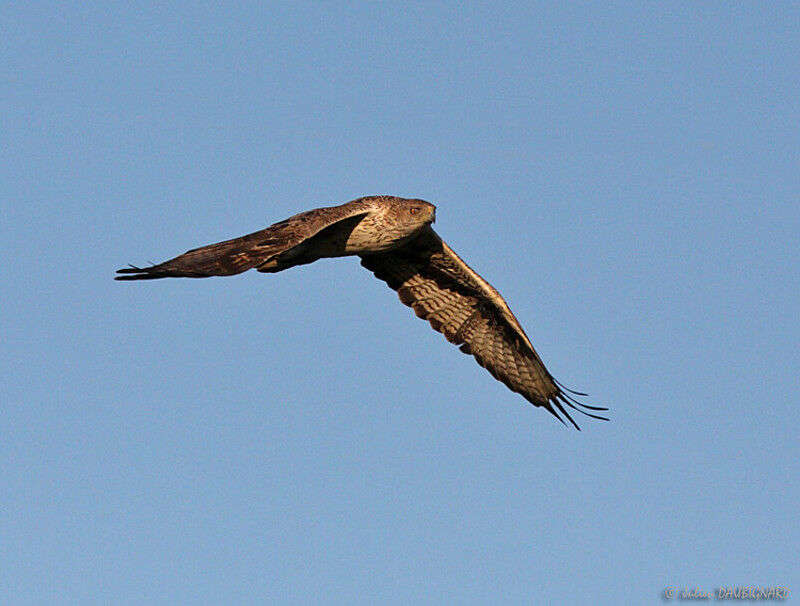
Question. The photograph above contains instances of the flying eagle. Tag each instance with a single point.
(395, 240)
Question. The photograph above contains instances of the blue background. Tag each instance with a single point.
(627, 175)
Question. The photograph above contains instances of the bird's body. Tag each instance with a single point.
(395, 240)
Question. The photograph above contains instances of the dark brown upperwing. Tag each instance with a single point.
(259, 249)
(221, 259)
(431, 279)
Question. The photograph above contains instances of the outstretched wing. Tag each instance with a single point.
(431, 279)
(299, 239)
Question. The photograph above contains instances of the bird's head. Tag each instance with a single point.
(412, 214)
(391, 223)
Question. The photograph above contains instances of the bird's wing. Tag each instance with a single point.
(431, 279)
(259, 249)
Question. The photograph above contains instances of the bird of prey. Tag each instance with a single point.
(395, 240)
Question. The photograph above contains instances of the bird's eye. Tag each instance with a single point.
(414, 210)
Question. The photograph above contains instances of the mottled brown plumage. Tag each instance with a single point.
(395, 240)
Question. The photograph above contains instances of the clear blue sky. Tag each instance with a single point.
(627, 175)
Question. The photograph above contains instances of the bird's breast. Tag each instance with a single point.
(373, 235)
